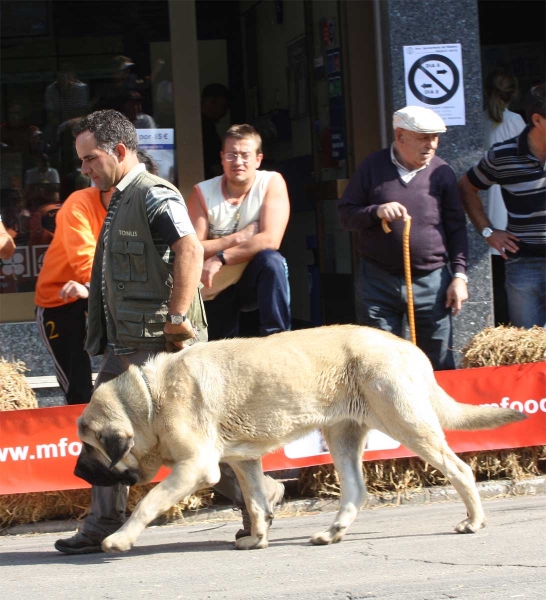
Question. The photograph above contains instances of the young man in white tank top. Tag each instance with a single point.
(240, 218)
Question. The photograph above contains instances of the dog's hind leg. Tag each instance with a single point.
(252, 482)
(346, 442)
(431, 446)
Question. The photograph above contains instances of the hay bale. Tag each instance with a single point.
(400, 475)
(16, 509)
(15, 393)
(497, 346)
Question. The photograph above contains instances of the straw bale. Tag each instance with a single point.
(497, 346)
(384, 477)
(15, 393)
(17, 509)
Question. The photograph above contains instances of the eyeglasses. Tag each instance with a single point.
(233, 156)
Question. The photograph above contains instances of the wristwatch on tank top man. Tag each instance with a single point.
(487, 232)
(176, 319)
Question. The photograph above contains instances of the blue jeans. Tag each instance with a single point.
(264, 287)
(381, 302)
(526, 290)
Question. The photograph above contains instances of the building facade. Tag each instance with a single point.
(319, 79)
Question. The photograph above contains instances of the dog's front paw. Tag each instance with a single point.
(117, 542)
(469, 526)
(251, 543)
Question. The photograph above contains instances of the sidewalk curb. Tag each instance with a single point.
(292, 508)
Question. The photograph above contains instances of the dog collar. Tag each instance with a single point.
(150, 397)
(147, 382)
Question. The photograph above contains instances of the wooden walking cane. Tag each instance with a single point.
(407, 272)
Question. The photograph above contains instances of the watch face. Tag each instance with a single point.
(177, 319)
(486, 232)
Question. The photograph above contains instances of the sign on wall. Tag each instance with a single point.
(434, 79)
(159, 144)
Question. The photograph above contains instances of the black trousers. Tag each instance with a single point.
(500, 299)
(63, 330)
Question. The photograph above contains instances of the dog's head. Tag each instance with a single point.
(108, 438)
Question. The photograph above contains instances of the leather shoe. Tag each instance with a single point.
(80, 543)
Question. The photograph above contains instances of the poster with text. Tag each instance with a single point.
(159, 144)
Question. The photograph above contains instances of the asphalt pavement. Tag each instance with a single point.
(406, 552)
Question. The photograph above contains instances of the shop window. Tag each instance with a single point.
(61, 61)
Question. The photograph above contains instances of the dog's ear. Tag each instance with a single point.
(116, 445)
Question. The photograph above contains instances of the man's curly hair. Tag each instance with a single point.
(110, 128)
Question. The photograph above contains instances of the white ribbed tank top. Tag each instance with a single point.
(225, 218)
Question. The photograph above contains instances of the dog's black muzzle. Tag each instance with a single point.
(95, 472)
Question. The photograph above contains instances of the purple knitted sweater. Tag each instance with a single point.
(438, 224)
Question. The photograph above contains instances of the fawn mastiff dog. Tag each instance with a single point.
(236, 400)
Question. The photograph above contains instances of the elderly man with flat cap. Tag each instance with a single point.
(404, 180)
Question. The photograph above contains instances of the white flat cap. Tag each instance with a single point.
(419, 119)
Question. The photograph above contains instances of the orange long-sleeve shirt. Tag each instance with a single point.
(70, 255)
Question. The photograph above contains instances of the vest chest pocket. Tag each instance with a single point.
(120, 260)
(129, 261)
(138, 261)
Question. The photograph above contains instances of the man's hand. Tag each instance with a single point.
(73, 289)
(503, 241)
(457, 293)
(392, 211)
(184, 330)
(210, 267)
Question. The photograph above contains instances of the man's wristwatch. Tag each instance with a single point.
(176, 319)
(461, 276)
(486, 232)
(220, 255)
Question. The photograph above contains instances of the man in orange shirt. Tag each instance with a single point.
(62, 290)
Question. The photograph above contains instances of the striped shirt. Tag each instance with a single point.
(168, 220)
(522, 178)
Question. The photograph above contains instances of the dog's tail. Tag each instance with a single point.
(457, 416)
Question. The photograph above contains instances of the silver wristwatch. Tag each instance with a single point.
(461, 276)
(486, 232)
(176, 319)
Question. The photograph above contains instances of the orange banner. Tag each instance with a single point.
(40, 447)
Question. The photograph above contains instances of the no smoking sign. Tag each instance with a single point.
(434, 80)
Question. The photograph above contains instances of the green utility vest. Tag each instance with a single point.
(138, 281)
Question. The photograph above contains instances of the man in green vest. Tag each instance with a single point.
(143, 295)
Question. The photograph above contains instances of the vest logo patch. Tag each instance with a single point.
(128, 233)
